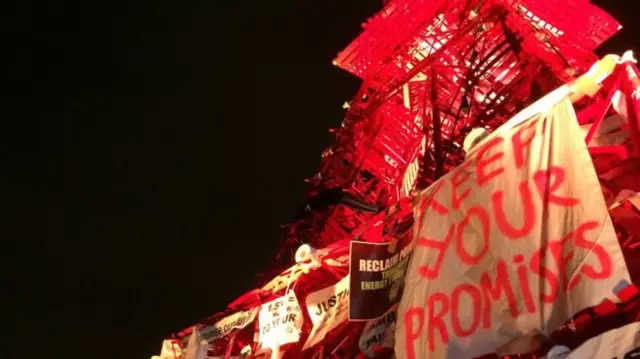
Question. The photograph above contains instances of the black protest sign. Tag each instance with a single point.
(376, 277)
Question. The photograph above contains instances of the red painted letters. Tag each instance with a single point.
(476, 302)
(457, 179)
(411, 333)
(482, 163)
(606, 264)
(537, 266)
(441, 246)
(483, 217)
(519, 143)
(436, 319)
(494, 290)
(529, 213)
(549, 181)
(538, 278)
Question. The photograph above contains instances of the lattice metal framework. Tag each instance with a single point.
(431, 71)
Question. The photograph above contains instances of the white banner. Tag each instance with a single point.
(516, 239)
(280, 321)
(378, 332)
(621, 343)
(226, 325)
(327, 308)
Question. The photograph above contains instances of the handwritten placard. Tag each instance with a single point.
(280, 321)
(518, 238)
(327, 309)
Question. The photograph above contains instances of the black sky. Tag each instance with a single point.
(152, 148)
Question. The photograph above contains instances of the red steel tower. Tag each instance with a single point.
(431, 71)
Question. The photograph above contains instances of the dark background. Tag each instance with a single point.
(150, 150)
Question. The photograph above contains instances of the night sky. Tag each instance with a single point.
(150, 151)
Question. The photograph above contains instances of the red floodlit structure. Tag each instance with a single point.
(432, 70)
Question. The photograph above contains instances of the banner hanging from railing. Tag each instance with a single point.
(327, 309)
(516, 239)
(377, 277)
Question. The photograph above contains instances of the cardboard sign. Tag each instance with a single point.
(378, 332)
(327, 309)
(377, 277)
(280, 321)
(621, 343)
(516, 239)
